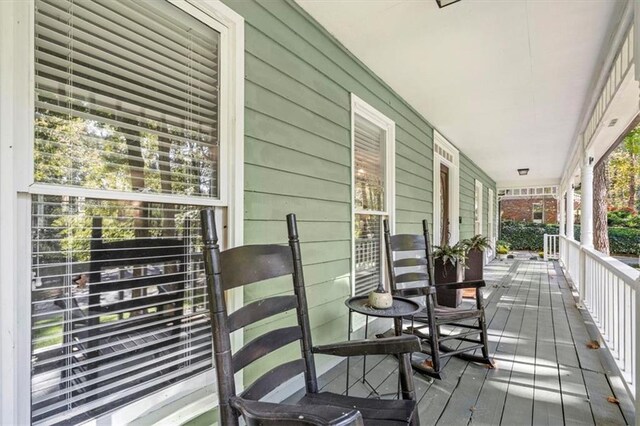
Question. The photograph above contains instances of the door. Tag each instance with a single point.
(445, 232)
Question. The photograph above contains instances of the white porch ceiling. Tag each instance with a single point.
(506, 81)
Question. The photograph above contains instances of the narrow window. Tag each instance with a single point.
(538, 213)
(373, 139)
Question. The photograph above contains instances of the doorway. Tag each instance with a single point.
(445, 223)
(446, 191)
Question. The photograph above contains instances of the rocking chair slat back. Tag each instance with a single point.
(246, 265)
(267, 261)
(260, 310)
(410, 292)
(409, 262)
(261, 387)
(412, 277)
(407, 242)
(265, 344)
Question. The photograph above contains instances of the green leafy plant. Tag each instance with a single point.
(477, 242)
(541, 254)
(502, 247)
(455, 254)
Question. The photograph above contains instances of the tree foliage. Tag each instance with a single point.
(624, 169)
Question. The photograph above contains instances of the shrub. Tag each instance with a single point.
(623, 217)
(526, 236)
(624, 241)
(529, 236)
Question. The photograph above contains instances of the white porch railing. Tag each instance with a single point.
(611, 295)
(611, 291)
(551, 246)
(570, 257)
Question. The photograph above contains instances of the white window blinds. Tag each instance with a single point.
(369, 156)
(369, 204)
(118, 303)
(126, 97)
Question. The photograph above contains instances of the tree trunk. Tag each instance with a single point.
(600, 196)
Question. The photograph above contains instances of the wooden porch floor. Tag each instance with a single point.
(545, 372)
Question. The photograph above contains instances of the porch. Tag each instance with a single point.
(546, 373)
(344, 115)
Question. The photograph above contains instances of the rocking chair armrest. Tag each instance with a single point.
(462, 284)
(383, 346)
(271, 414)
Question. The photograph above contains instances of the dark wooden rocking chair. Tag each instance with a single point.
(418, 282)
(254, 263)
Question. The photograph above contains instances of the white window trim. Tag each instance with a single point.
(491, 225)
(16, 107)
(454, 189)
(478, 198)
(366, 111)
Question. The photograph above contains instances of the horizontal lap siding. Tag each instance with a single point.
(298, 81)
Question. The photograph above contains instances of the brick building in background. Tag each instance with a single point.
(536, 204)
(530, 209)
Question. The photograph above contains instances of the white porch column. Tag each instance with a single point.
(569, 212)
(562, 211)
(586, 228)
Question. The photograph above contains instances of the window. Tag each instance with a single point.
(538, 212)
(478, 208)
(373, 192)
(131, 104)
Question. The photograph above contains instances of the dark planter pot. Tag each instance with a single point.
(475, 266)
(446, 273)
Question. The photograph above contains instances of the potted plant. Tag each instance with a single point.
(475, 248)
(502, 249)
(448, 264)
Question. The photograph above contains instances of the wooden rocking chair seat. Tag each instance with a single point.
(258, 413)
(392, 412)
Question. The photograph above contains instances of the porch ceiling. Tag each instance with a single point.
(504, 81)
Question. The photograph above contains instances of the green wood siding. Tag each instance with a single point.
(298, 157)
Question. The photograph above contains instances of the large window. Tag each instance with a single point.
(132, 101)
(373, 193)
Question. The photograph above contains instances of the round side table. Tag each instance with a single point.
(401, 307)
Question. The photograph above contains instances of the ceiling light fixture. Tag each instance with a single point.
(523, 172)
(444, 3)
